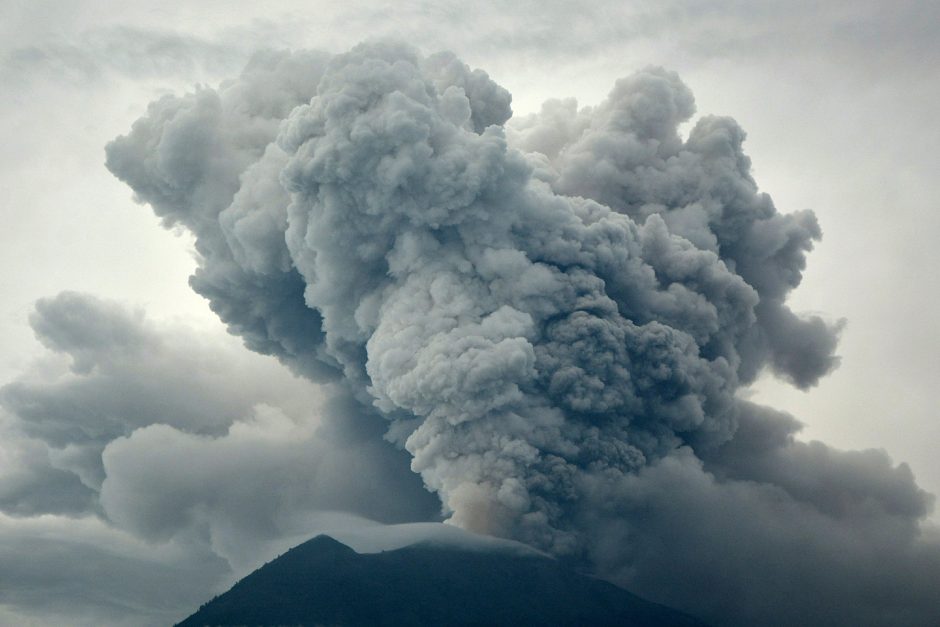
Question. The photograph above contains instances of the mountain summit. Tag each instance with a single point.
(324, 582)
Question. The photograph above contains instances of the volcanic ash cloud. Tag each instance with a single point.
(553, 314)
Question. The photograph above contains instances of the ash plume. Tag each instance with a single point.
(554, 315)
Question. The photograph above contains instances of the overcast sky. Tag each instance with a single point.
(839, 103)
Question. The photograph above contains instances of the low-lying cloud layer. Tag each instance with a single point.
(550, 319)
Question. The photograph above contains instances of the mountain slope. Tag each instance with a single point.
(324, 582)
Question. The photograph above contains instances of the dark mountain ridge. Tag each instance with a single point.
(324, 582)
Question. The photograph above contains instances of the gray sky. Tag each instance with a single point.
(838, 99)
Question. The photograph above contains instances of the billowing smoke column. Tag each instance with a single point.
(552, 315)
(538, 311)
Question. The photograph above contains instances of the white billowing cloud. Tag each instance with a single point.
(257, 483)
(174, 463)
(554, 319)
(125, 372)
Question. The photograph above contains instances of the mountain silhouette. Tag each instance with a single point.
(325, 583)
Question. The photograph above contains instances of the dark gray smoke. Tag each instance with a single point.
(554, 316)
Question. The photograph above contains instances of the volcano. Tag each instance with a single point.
(324, 582)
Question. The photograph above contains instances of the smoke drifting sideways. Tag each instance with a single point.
(147, 466)
(553, 315)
